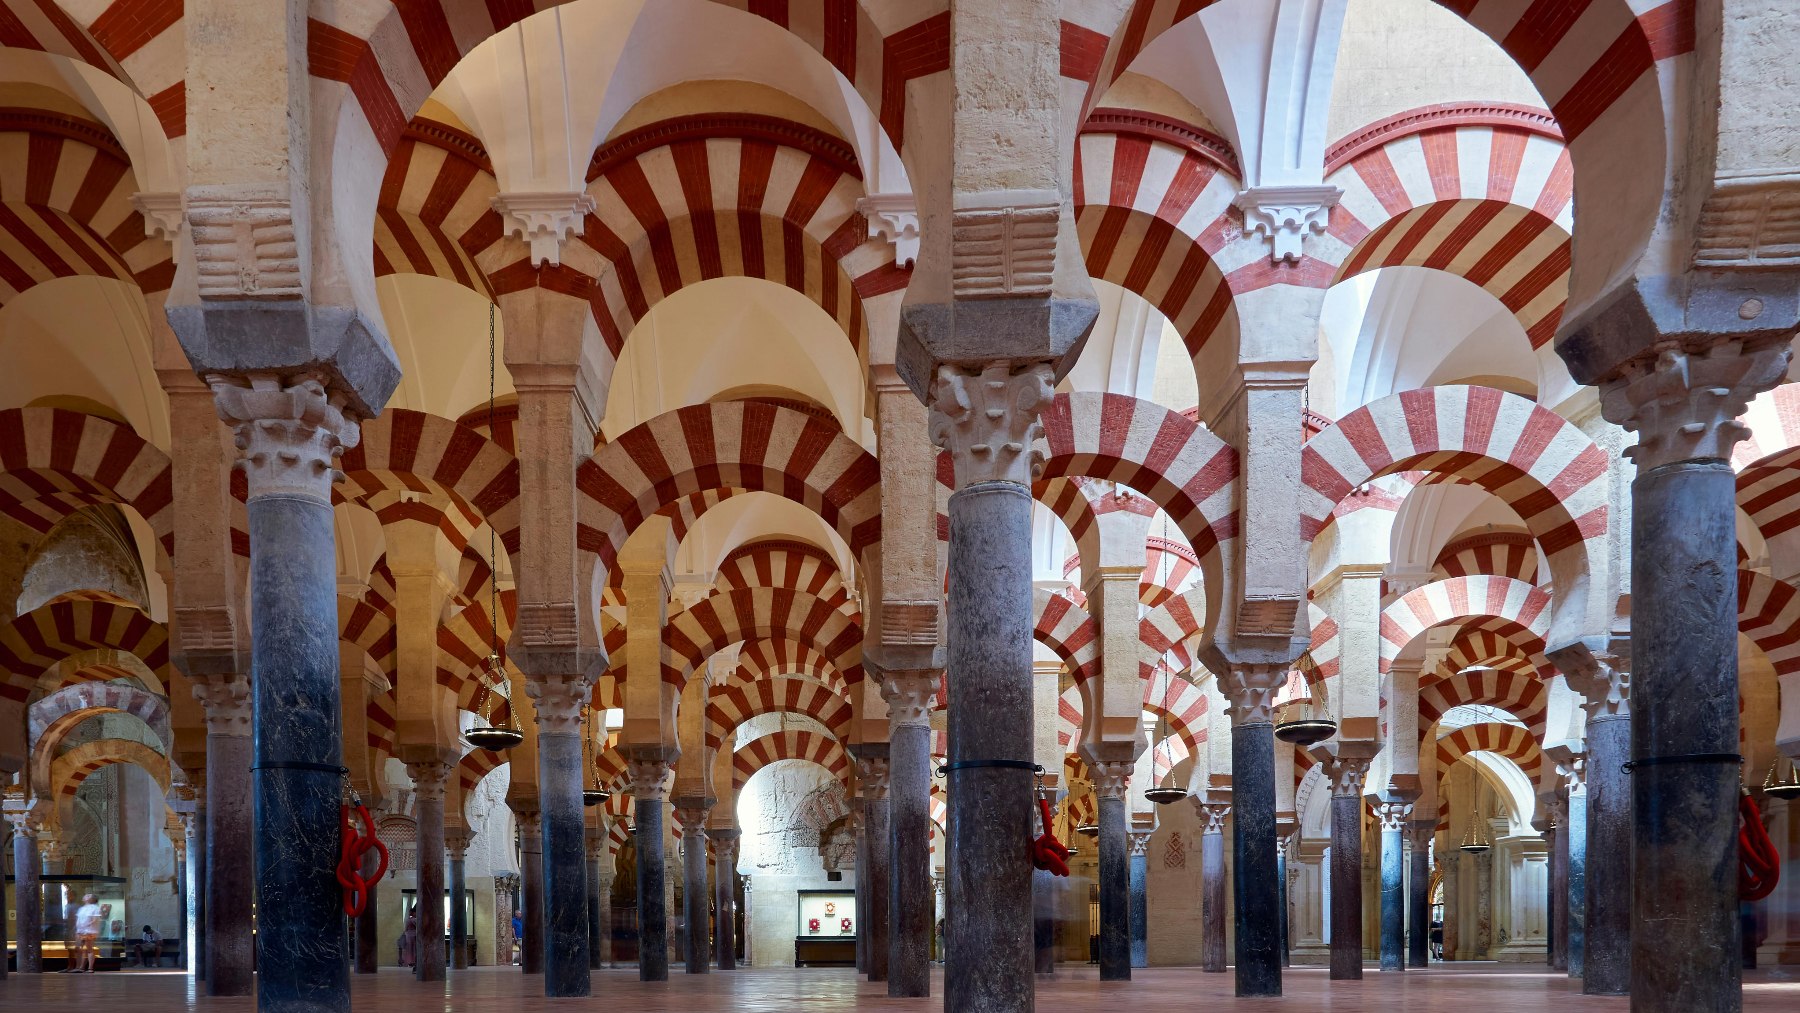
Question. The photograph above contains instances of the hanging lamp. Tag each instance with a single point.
(590, 797)
(1304, 717)
(1476, 839)
(1160, 793)
(491, 736)
(1788, 788)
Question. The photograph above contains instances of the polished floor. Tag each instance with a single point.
(1489, 988)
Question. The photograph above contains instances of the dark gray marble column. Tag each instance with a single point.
(368, 931)
(649, 779)
(1576, 830)
(989, 929)
(1139, 842)
(911, 910)
(1453, 862)
(595, 838)
(229, 941)
(1559, 889)
(531, 889)
(1392, 817)
(873, 774)
(725, 849)
(1346, 777)
(1212, 885)
(1418, 889)
(196, 898)
(28, 897)
(1283, 843)
(695, 897)
(559, 697)
(1044, 894)
(429, 778)
(1607, 949)
(456, 852)
(289, 439)
(1257, 889)
(1114, 874)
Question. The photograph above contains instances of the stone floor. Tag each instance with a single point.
(1488, 988)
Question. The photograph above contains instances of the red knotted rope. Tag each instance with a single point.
(1048, 853)
(1759, 866)
(357, 888)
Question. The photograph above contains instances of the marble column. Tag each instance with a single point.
(1393, 817)
(1284, 844)
(595, 839)
(1604, 681)
(531, 886)
(229, 941)
(912, 919)
(1484, 905)
(725, 849)
(1346, 774)
(1558, 909)
(1418, 890)
(1140, 907)
(1575, 829)
(1683, 404)
(28, 897)
(505, 903)
(1111, 783)
(695, 899)
(1452, 862)
(560, 687)
(368, 924)
(456, 853)
(1046, 894)
(430, 778)
(290, 433)
(196, 897)
(872, 773)
(1249, 691)
(649, 780)
(1212, 884)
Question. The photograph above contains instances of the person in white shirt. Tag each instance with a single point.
(148, 947)
(88, 920)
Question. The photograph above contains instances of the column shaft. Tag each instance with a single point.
(1393, 899)
(368, 931)
(1559, 897)
(1576, 831)
(652, 879)
(1115, 891)
(1140, 909)
(459, 921)
(1257, 883)
(1418, 887)
(28, 901)
(725, 900)
(873, 921)
(910, 910)
(596, 930)
(1212, 901)
(565, 953)
(531, 884)
(1281, 886)
(230, 956)
(1346, 887)
(989, 931)
(1606, 950)
(196, 898)
(429, 812)
(1044, 893)
(695, 899)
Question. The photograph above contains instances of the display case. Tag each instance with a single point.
(61, 898)
(826, 933)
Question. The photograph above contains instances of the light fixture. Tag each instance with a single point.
(1302, 718)
(1788, 789)
(490, 735)
(1476, 840)
(590, 797)
(1163, 794)
(1088, 830)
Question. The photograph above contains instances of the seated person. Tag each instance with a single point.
(148, 948)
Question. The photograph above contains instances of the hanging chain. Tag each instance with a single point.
(493, 550)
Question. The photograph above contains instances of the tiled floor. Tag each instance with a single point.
(1488, 988)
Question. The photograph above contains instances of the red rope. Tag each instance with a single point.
(1048, 853)
(357, 889)
(1759, 866)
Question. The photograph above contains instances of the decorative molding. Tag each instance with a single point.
(910, 697)
(244, 243)
(163, 213)
(429, 777)
(1287, 215)
(1250, 692)
(289, 437)
(1684, 404)
(20, 119)
(443, 135)
(1203, 144)
(1003, 243)
(713, 126)
(225, 699)
(544, 220)
(1447, 116)
(1750, 220)
(872, 774)
(1112, 778)
(895, 218)
(990, 421)
(1212, 815)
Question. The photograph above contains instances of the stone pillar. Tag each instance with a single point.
(290, 433)
(649, 785)
(429, 778)
(725, 849)
(1575, 829)
(597, 899)
(1212, 884)
(911, 912)
(872, 774)
(1140, 908)
(456, 853)
(1284, 845)
(1558, 909)
(1484, 905)
(505, 903)
(560, 685)
(230, 956)
(1249, 690)
(1683, 402)
(368, 924)
(196, 895)
(1046, 892)
(1111, 784)
(28, 897)
(1604, 682)
(1345, 774)
(697, 948)
(1452, 861)
(531, 885)
(1418, 889)
(1392, 816)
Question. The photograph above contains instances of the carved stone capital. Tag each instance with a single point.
(1602, 678)
(988, 420)
(649, 778)
(244, 243)
(1139, 843)
(693, 820)
(1212, 815)
(872, 774)
(1112, 778)
(162, 211)
(544, 220)
(895, 218)
(559, 701)
(25, 823)
(1393, 815)
(1345, 774)
(1287, 215)
(225, 699)
(1421, 832)
(290, 432)
(429, 778)
(1684, 404)
(910, 696)
(1250, 692)
(457, 841)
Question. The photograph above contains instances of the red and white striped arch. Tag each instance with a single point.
(68, 771)
(1167, 629)
(371, 630)
(51, 719)
(787, 563)
(1325, 649)
(724, 618)
(465, 638)
(1170, 568)
(410, 451)
(1534, 460)
(1496, 643)
(1769, 614)
(1183, 705)
(1768, 465)
(768, 658)
(763, 750)
(1510, 741)
(435, 216)
(745, 445)
(476, 765)
(54, 461)
(36, 642)
(1069, 632)
(729, 706)
(1523, 696)
(143, 43)
(1501, 553)
(1459, 599)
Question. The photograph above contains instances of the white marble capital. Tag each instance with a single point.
(1287, 215)
(1393, 815)
(872, 774)
(910, 697)
(559, 701)
(895, 218)
(1684, 404)
(988, 420)
(289, 432)
(225, 700)
(649, 779)
(544, 220)
(1250, 690)
(429, 778)
(1212, 815)
(1112, 778)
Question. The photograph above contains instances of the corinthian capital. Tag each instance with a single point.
(290, 432)
(649, 778)
(1250, 692)
(1683, 404)
(1602, 678)
(909, 695)
(1212, 815)
(1111, 778)
(225, 699)
(988, 420)
(558, 700)
(872, 772)
(1393, 815)
(429, 777)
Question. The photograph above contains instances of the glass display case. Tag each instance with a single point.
(826, 933)
(61, 898)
